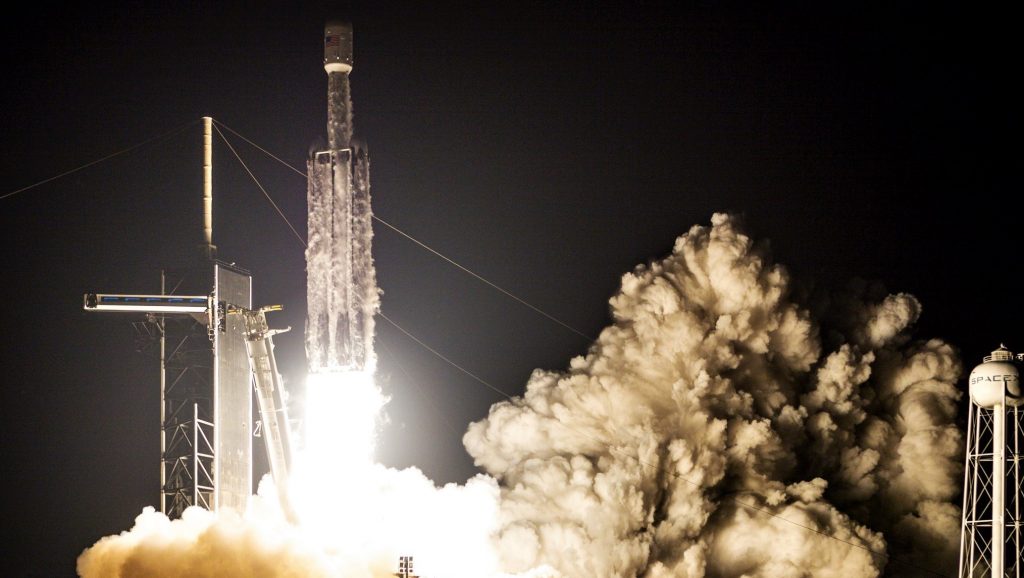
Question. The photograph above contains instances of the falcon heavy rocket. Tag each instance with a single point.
(341, 286)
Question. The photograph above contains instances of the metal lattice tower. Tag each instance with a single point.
(205, 383)
(991, 534)
(186, 415)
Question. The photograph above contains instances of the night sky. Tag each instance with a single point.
(549, 150)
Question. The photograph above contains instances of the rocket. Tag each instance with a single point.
(341, 287)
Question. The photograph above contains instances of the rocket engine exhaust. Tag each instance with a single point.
(341, 287)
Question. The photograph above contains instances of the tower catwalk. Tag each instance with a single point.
(341, 284)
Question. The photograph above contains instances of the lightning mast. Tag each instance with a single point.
(991, 540)
(341, 285)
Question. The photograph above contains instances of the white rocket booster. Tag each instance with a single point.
(341, 285)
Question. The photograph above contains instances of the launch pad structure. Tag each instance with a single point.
(221, 352)
(216, 350)
(206, 419)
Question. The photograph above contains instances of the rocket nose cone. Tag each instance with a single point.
(337, 23)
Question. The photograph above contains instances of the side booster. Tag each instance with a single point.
(341, 287)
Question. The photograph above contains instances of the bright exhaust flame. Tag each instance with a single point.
(341, 419)
(342, 410)
(359, 510)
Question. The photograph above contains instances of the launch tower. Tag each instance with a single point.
(205, 379)
(991, 541)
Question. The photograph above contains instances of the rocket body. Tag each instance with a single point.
(341, 284)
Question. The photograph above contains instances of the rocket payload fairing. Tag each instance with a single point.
(341, 285)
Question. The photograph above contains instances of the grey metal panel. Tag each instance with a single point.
(232, 394)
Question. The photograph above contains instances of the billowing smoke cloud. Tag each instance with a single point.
(723, 425)
(204, 544)
(360, 532)
(718, 427)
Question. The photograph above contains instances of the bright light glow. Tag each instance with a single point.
(359, 510)
(340, 428)
(341, 418)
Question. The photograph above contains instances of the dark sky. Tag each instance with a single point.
(550, 150)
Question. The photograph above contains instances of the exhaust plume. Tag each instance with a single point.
(725, 424)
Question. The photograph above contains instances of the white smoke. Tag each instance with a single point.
(711, 430)
(395, 513)
(204, 544)
(721, 426)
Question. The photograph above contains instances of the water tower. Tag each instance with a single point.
(990, 539)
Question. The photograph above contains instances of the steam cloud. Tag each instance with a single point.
(725, 424)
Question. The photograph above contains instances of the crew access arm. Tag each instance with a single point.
(270, 395)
